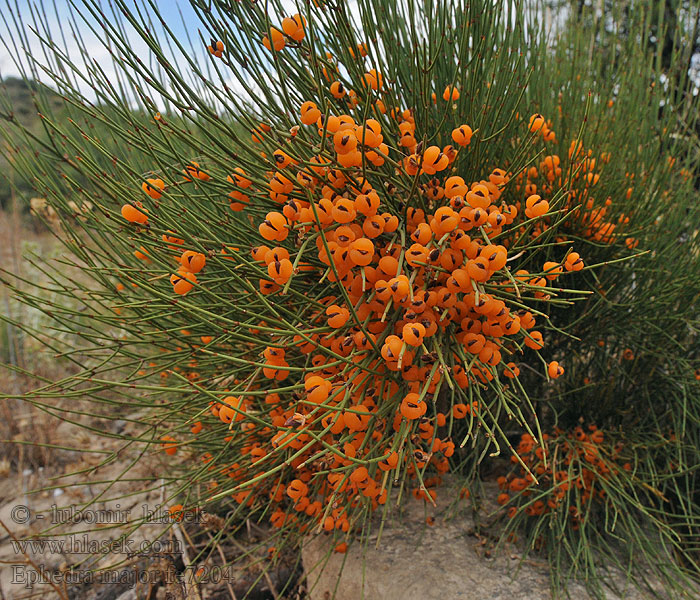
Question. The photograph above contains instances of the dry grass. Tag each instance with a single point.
(25, 430)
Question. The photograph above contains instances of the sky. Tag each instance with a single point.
(57, 14)
(60, 18)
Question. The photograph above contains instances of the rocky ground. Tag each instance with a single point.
(447, 559)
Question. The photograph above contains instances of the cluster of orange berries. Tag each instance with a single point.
(292, 27)
(586, 217)
(434, 281)
(191, 263)
(425, 305)
(411, 283)
(408, 270)
(322, 487)
(577, 462)
(539, 125)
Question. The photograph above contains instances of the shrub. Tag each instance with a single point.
(399, 246)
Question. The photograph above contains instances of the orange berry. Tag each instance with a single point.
(536, 122)
(413, 334)
(297, 489)
(169, 445)
(134, 215)
(462, 135)
(552, 270)
(412, 407)
(216, 48)
(478, 269)
(511, 370)
(373, 79)
(183, 281)
(317, 389)
(309, 113)
(534, 341)
(192, 261)
(337, 316)
(450, 93)
(357, 418)
(554, 369)
(277, 40)
(478, 197)
(362, 252)
(535, 207)
(274, 227)
(573, 262)
(344, 211)
(153, 187)
(294, 27)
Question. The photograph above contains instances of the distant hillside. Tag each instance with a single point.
(16, 96)
(16, 100)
